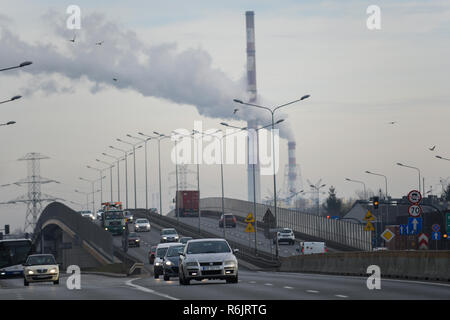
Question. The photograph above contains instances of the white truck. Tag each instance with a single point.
(311, 247)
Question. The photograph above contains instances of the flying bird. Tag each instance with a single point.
(99, 43)
(432, 148)
(115, 79)
(73, 40)
(235, 110)
(392, 122)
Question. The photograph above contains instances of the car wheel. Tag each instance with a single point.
(26, 283)
(156, 275)
(166, 278)
(233, 280)
(56, 282)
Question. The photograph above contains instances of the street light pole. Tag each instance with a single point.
(318, 196)
(272, 112)
(12, 99)
(365, 193)
(92, 182)
(87, 198)
(160, 137)
(146, 175)
(418, 170)
(23, 64)
(126, 172)
(254, 178)
(110, 165)
(100, 171)
(134, 168)
(118, 173)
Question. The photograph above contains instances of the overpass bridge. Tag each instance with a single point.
(72, 239)
(339, 234)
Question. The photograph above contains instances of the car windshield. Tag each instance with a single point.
(184, 240)
(174, 251)
(40, 260)
(285, 231)
(141, 221)
(169, 231)
(133, 235)
(161, 252)
(208, 247)
(153, 249)
(113, 215)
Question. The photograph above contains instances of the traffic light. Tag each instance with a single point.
(445, 236)
(376, 202)
(6, 228)
(328, 217)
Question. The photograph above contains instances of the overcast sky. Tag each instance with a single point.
(183, 61)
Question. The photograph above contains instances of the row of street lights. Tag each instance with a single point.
(23, 64)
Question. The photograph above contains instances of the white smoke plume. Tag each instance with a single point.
(157, 70)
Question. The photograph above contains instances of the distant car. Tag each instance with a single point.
(169, 235)
(87, 214)
(161, 250)
(153, 210)
(312, 247)
(128, 216)
(142, 225)
(151, 255)
(183, 240)
(133, 240)
(285, 235)
(208, 259)
(40, 268)
(171, 260)
(99, 215)
(230, 220)
(380, 249)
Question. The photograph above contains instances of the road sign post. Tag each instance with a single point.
(447, 222)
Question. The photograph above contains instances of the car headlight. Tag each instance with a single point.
(137, 240)
(106, 229)
(164, 238)
(53, 270)
(191, 264)
(30, 272)
(168, 263)
(157, 263)
(230, 263)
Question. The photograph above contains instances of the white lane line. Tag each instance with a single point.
(268, 284)
(340, 296)
(287, 287)
(252, 282)
(312, 291)
(147, 290)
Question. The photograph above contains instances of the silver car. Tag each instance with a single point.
(142, 225)
(208, 259)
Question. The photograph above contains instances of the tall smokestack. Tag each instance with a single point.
(292, 168)
(253, 124)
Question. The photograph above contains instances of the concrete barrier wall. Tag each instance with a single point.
(423, 265)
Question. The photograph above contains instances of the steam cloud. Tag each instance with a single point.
(185, 77)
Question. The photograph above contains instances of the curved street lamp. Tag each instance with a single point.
(12, 99)
(7, 123)
(418, 170)
(365, 193)
(272, 112)
(23, 64)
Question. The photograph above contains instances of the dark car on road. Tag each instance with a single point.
(151, 254)
(171, 261)
(184, 240)
(230, 220)
(134, 240)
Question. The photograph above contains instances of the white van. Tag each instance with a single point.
(312, 247)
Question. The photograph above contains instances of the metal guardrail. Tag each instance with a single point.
(341, 232)
(85, 229)
(246, 253)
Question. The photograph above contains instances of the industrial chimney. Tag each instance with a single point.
(252, 124)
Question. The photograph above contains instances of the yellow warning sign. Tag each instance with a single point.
(369, 227)
(249, 228)
(250, 218)
(368, 216)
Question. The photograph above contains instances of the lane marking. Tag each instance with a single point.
(312, 291)
(287, 287)
(268, 284)
(147, 290)
(252, 282)
(340, 296)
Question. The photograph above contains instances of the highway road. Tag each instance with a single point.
(237, 234)
(252, 285)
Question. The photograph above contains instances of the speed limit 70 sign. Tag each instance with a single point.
(414, 197)
(415, 210)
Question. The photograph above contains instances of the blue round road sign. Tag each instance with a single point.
(436, 227)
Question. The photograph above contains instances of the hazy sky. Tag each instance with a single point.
(182, 61)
